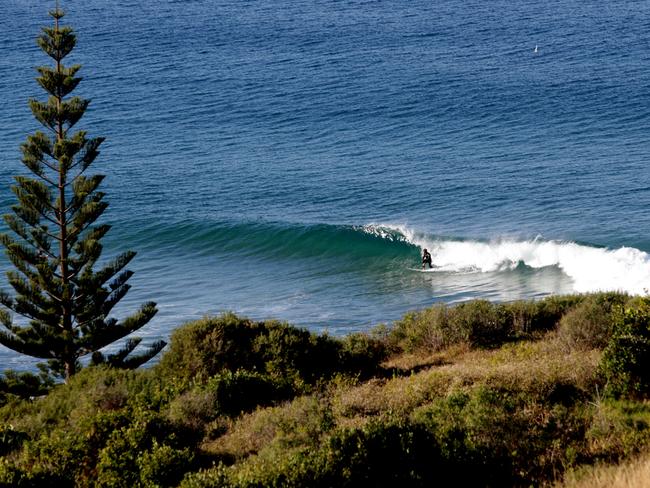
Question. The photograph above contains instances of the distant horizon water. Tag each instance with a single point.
(291, 159)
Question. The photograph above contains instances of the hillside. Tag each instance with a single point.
(479, 394)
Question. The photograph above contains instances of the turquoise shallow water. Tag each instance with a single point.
(290, 159)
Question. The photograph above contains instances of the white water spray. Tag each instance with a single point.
(591, 269)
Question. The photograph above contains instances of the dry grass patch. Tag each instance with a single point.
(527, 366)
(301, 422)
(413, 362)
(632, 474)
(395, 396)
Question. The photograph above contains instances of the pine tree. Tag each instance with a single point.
(61, 304)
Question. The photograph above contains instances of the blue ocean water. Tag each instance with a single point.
(290, 159)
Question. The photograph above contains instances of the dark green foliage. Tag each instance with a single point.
(296, 356)
(164, 465)
(23, 385)
(227, 393)
(495, 434)
(120, 461)
(203, 348)
(379, 455)
(363, 354)
(483, 438)
(626, 361)
(382, 454)
(103, 426)
(10, 439)
(61, 307)
(243, 391)
(546, 313)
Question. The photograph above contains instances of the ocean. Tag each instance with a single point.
(291, 159)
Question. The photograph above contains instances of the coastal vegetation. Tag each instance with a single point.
(480, 394)
(62, 306)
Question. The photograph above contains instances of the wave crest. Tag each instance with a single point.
(590, 268)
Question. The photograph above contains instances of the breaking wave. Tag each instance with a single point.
(590, 268)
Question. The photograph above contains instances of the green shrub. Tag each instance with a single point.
(502, 436)
(388, 453)
(202, 349)
(482, 323)
(302, 424)
(428, 330)
(362, 353)
(589, 324)
(626, 360)
(88, 427)
(226, 393)
(549, 311)
(164, 465)
(487, 324)
(483, 437)
(378, 454)
(118, 463)
(618, 429)
(92, 390)
(10, 439)
(12, 476)
(289, 352)
(479, 323)
(242, 391)
(23, 385)
(205, 347)
(58, 456)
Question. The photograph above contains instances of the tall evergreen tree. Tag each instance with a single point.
(61, 304)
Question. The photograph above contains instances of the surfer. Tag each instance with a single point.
(426, 259)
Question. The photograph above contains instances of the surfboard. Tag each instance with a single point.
(424, 270)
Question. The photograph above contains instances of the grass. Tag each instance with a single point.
(634, 473)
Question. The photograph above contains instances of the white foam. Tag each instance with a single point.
(590, 268)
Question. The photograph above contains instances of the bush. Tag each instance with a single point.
(482, 323)
(120, 460)
(63, 458)
(23, 385)
(205, 347)
(226, 393)
(381, 454)
(478, 323)
(548, 312)
(81, 429)
(618, 429)
(202, 349)
(92, 390)
(626, 360)
(10, 439)
(465, 440)
(426, 330)
(378, 454)
(589, 325)
(487, 324)
(164, 465)
(362, 353)
(504, 437)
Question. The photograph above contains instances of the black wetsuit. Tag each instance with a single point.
(426, 259)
